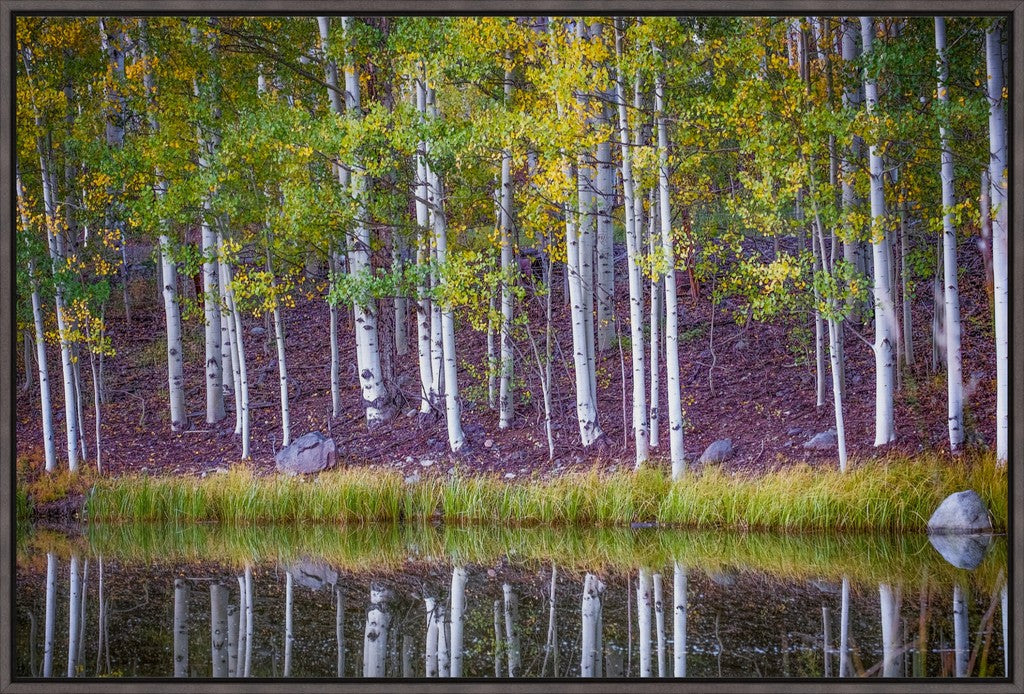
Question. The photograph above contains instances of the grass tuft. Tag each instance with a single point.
(893, 495)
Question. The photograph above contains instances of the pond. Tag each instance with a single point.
(482, 602)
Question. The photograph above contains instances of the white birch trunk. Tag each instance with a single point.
(512, 631)
(659, 624)
(46, 409)
(243, 627)
(885, 316)
(375, 637)
(423, 327)
(954, 378)
(289, 634)
(551, 645)
(1000, 228)
(458, 600)
(56, 257)
(641, 433)
(339, 629)
(605, 182)
(218, 630)
(643, 616)
(961, 634)
(169, 271)
(250, 621)
(180, 639)
(282, 363)
(242, 392)
(232, 640)
(844, 630)
(590, 654)
(74, 615)
(453, 409)
(853, 251)
(657, 303)
(211, 286)
(679, 621)
(367, 348)
(674, 395)
(505, 394)
(211, 309)
(51, 608)
(890, 611)
(230, 337)
(430, 641)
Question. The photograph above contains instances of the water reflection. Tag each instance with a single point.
(457, 602)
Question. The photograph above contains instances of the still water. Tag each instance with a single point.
(401, 601)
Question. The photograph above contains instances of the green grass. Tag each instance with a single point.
(867, 559)
(896, 495)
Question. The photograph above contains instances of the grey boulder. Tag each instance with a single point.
(313, 575)
(962, 551)
(960, 513)
(717, 452)
(822, 441)
(309, 453)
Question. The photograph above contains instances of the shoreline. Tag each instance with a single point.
(894, 495)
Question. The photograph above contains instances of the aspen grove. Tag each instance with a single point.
(465, 199)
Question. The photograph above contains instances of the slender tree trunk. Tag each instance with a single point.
(371, 379)
(657, 303)
(961, 635)
(985, 235)
(659, 624)
(551, 645)
(232, 640)
(505, 394)
(512, 631)
(891, 641)
(289, 633)
(401, 302)
(211, 285)
(679, 621)
(375, 638)
(643, 613)
(458, 600)
(181, 594)
(242, 393)
(674, 395)
(885, 319)
(641, 433)
(423, 315)
(74, 615)
(230, 336)
(844, 629)
(954, 379)
(282, 364)
(1000, 228)
(250, 621)
(453, 409)
(818, 253)
(430, 641)
(908, 319)
(211, 308)
(339, 629)
(605, 182)
(242, 638)
(56, 258)
(51, 619)
(334, 95)
(853, 251)
(218, 630)
(590, 654)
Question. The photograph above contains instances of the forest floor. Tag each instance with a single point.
(751, 383)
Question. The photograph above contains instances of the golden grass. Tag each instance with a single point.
(894, 495)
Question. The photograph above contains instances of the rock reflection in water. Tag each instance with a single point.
(742, 606)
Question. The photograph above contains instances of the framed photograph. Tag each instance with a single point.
(469, 347)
